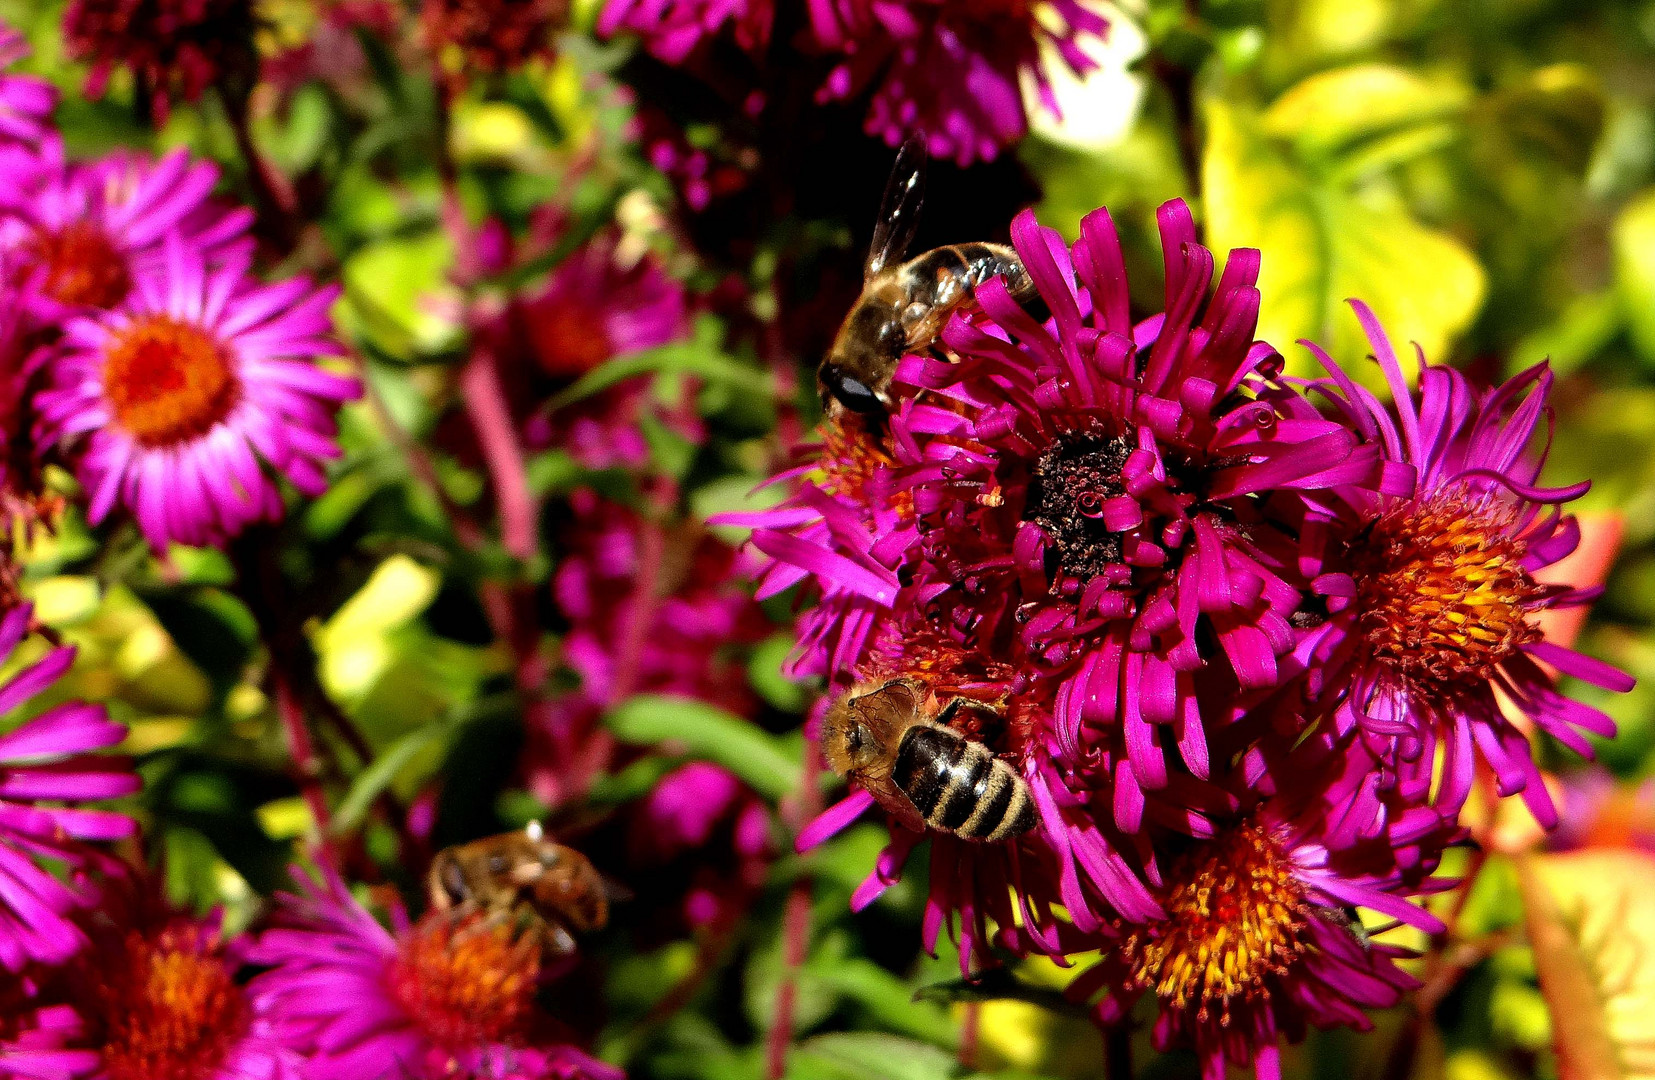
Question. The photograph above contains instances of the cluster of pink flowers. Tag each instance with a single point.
(1249, 635)
(949, 71)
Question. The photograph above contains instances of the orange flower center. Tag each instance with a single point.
(78, 265)
(1442, 593)
(1236, 915)
(852, 455)
(168, 381)
(569, 340)
(169, 1009)
(466, 979)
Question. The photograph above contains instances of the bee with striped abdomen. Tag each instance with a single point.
(894, 741)
(905, 305)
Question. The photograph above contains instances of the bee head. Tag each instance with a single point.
(849, 391)
(861, 731)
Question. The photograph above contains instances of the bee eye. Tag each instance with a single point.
(853, 739)
(453, 882)
(496, 864)
(854, 394)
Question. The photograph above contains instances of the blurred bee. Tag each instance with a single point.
(522, 876)
(903, 307)
(920, 769)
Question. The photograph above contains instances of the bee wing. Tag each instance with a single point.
(899, 209)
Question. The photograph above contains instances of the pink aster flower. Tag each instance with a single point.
(175, 49)
(1430, 589)
(672, 29)
(77, 236)
(153, 995)
(950, 71)
(183, 400)
(447, 996)
(47, 766)
(26, 103)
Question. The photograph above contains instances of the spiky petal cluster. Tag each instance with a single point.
(26, 103)
(447, 996)
(175, 50)
(1222, 622)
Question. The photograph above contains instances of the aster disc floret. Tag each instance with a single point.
(1430, 582)
(450, 995)
(952, 71)
(174, 49)
(492, 36)
(184, 400)
(49, 765)
(153, 996)
(76, 236)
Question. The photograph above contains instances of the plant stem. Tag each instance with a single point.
(485, 404)
(1117, 1052)
(797, 812)
(307, 766)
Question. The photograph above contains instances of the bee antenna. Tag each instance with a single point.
(948, 711)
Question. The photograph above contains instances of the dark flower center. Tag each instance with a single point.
(167, 381)
(465, 979)
(1073, 480)
(1442, 595)
(169, 1010)
(569, 339)
(79, 266)
(1236, 915)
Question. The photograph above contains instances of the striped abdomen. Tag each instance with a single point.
(960, 787)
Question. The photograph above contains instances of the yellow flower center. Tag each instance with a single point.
(1236, 915)
(78, 265)
(1442, 596)
(168, 381)
(169, 1009)
(466, 979)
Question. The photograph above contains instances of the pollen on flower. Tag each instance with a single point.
(78, 265)
(1442, 592)
(1236, 916)
(168, 381)
(852, 456)
(168, 1007)
(1073, 481)
(466, 979)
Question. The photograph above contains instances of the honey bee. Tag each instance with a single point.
(920, 769)
(903, 307)
(523, 876)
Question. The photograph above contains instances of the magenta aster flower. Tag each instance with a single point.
(447, 996)
(78, 236)
(950, 71)
(1430, 589)
(175, 49)
(184, 398)
(154, 995)
(26, 103)
(672, 29)
(47, 766)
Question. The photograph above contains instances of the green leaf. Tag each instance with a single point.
(888, 998)
(371, 782)
(866, 1055)
(1327, 239)
(998, 984)
(709, 733)
(1590, 916)
(1633, 238)
(1332, 112)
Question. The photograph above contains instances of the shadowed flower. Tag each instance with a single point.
(951, 71)
(78, 236)
(26, 103)
(672, 29)
(451, 995)
(188, 394)
(47, 766)
(175, 49)
(153, 997)
(1430, 588)
(493, 35)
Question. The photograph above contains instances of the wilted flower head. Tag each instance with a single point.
(453, 994)
(153, 996)
(25, 102)
(492, 35)
(175, 49)
(1430, 588)
(951, 71)
(47, 766)
(182, 400)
